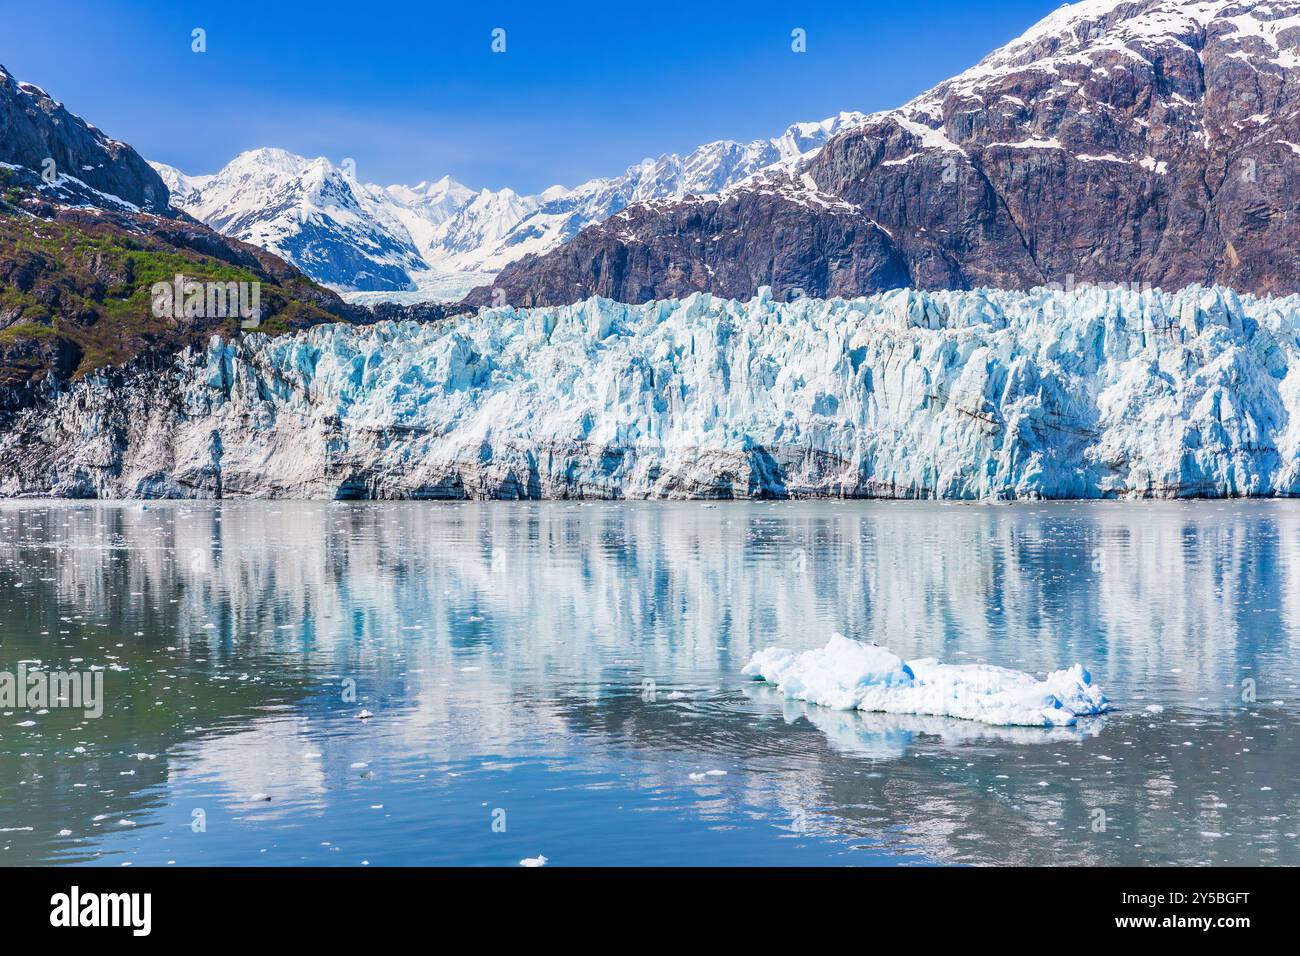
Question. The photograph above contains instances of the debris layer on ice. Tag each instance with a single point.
(851, 675)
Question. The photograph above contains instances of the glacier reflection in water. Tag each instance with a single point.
(572, 673)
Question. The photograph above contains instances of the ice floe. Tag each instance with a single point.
(851, 675)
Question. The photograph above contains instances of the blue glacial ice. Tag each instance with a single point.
(1084, 393)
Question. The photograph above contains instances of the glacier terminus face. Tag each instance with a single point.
(1087, 393)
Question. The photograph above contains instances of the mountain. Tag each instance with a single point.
(67, 159)
(86, 229)
(990, 394)
(438, 240)
(307, 211)
(1121, 141)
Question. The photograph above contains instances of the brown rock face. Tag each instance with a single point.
(1126, 141)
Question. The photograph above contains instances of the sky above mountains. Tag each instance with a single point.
(412, 91)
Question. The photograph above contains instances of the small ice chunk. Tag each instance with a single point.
(698, 777)
(533, 861)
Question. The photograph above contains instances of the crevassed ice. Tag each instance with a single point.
(851, 675)
(1086, 393)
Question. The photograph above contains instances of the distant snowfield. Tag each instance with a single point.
(851, 675)
(1089, 393)
(430, 287)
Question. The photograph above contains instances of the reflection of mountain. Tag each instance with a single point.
(273, 760)
(563, 611)
(1027, 587)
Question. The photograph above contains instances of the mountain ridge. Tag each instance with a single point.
(67, 159)
(408, 243)
(1133, 141)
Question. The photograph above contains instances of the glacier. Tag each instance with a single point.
(851, 675)
(1091, 392)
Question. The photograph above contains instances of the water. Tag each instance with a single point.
(546, 679)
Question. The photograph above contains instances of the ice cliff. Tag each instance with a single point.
(1083, 393)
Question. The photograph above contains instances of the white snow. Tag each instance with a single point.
(930, 138)
(851, 675)
(1103, 158)
(1036, 142)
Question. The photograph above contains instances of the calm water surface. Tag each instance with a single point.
(559, 679)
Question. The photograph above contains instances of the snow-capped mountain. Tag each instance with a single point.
(308, 211)
(438, 240)
(1135, 141)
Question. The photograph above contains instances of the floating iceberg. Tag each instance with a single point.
(1086, 393)
(851, 675)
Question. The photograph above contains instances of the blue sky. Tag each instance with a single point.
(412, 90)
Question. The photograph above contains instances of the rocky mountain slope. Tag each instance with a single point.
(45, 147)
(1120, 141)
(1086, 394)
(438, 240)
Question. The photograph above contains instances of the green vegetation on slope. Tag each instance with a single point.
(75, 288)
